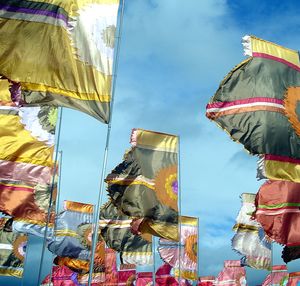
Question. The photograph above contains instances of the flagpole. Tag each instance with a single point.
(153, 253)
(179, 209)
(104, 165)
(57, 202)
(51, 196)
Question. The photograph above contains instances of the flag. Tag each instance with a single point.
(277, 210)
(233, 274)
(163, 276)
(278, 276)
(274, 167)
(145, 184)
(27, 143)
(71, 61)
(256, 102)
(290, 253)
(12, 251)
(26, 165)
(126, 275)
(250, 239)
(206, 281)
(116, 232)
(67, 241)
(144, 278)
(61, 276)
(294, 279)
(185, 259)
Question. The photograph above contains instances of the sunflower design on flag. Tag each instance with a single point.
(166, 186)
(19, 247)
(170, 253)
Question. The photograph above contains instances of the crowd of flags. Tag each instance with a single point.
(71, 65)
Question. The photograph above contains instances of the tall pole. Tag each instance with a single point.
(104, 165)
(51, 195)
(57, 202)
(179, 210)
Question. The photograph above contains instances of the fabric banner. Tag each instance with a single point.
(12, 251)
(116, 232)
(185, 259)
(277, 210)
(163, 276)
(206, 281)
(126, 275)
(278, 168)
(233, 274)
(61, 276)
(256, 103)
(71, 61)
(250, 239)
(145, 184)
(144, 279)
(290, 253)
(67, 240)
(294, 279)
(278, 276)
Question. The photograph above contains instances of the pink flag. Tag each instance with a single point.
(233, 274)
(278, 275)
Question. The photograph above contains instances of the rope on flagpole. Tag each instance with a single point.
(104, 165)
(51, 196)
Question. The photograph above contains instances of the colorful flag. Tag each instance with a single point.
(71, 61)
(126, 275)
(206, 281)
(256, 102)
(61, 276)
(116, 232)
(67, 241)
(277, 210)
(274, 167)
(144, 279)
(233, 274)
(145, 184)
(294, 279)
(250, 239)
(163, 276)
(290, 253)
(27, 143)
(277, 277)
(12, 251)
(185, 259)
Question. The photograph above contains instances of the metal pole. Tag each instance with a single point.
(57, 202)
(104, 165)
(50, 199)
(153, 253)
(179, 209)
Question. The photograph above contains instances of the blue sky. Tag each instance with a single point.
(173, 56)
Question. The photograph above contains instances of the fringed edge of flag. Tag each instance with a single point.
(246, 42)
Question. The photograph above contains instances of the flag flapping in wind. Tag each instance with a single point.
(277, 210)
(12, 251)
(250, 239)
(67, 240)
(27, 136)
(60, 52)
(145, 184)
(184, 261)
(116, 232)
(233, 274)
(278, 276)
(126, 275)
(256, 103)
